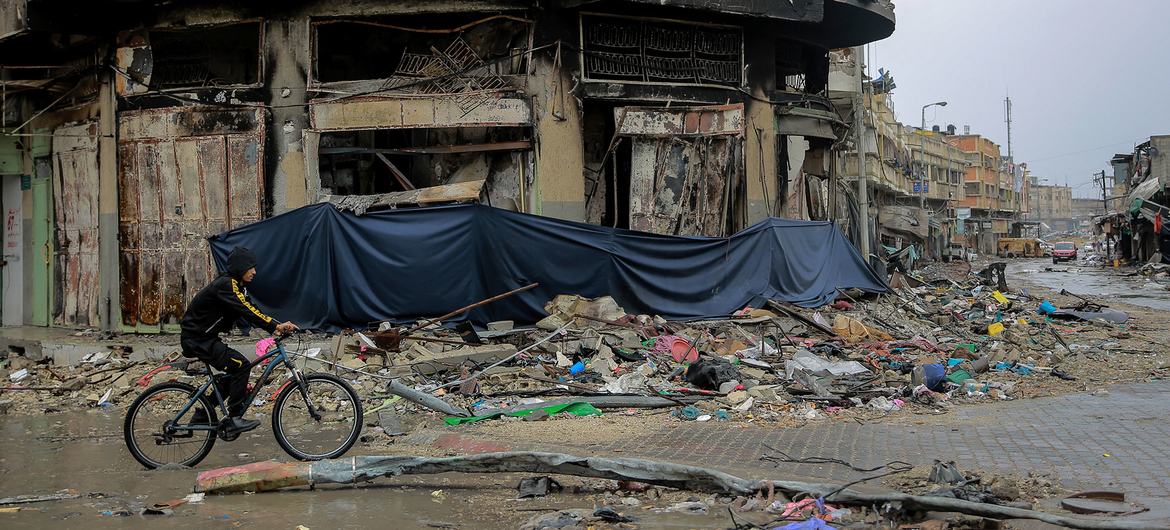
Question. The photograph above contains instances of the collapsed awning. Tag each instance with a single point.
(810, 123)
(329, 269)
(1144, 191)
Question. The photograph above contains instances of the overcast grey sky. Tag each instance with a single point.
(1087, 78)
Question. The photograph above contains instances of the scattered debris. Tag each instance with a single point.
(272, 475)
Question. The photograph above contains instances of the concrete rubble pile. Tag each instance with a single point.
(933, 343)
(100, 379)
(942, 337)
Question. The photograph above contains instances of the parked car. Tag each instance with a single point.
(1064, 251)
(956, 251)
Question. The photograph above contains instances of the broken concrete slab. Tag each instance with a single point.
(433, 362)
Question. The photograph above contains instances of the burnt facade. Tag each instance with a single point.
(136, 129)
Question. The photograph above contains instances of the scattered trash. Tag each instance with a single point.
(609, 515)
(691, 507)
(537, 487)
(194, 498)
(810, 524)
(1101, 502)
(27, 499)
(946, 473)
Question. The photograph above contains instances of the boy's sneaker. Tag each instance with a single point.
(236, 425)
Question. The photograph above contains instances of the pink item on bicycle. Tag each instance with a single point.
(264, 345)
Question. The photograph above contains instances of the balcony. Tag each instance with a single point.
(980, 203)
(794, 10)
(856, 22)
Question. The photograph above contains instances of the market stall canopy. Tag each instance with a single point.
(329, 269)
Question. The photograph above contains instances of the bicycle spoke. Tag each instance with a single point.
(151, 436)
(312, 437)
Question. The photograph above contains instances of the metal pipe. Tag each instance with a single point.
(508, 358)
(422, 398)
(422, 325)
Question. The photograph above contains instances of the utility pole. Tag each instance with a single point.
(858, 136)
(1105, 203)
(1007, 107)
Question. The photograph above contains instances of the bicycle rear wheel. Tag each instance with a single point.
(149, 428)
(323, 422)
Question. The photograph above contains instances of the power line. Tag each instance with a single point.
(1127, 142)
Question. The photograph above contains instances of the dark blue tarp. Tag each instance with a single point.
(327, 269)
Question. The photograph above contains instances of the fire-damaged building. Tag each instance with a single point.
(133, 130)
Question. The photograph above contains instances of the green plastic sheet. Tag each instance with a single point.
(578, 408)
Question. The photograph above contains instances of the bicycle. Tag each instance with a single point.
(172, 416)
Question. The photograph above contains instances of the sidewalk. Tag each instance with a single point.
(1113, 441)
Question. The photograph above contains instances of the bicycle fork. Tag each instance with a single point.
(303, 387)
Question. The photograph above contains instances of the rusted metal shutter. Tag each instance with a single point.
(185, 173)
(75, 200)
(684, 167)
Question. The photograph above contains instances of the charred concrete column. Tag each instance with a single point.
(287, 57)
(109, 305)
(559, 184)
(760, 131)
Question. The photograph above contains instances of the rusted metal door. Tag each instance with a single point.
(684, 164)
(75, 199)
(186, 173)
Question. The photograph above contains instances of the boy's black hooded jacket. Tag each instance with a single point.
(216, 307)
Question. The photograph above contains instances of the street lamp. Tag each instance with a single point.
(924, 107)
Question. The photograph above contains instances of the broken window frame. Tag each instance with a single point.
(581, 50)
(261, 57)
(317, 84)
(526, 151)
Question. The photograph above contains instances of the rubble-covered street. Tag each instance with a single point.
(584, 264)
(918, 375)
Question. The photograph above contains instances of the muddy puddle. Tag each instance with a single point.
(84, 451)
(1105, 284)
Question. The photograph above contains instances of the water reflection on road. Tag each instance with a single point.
(1094, 281)
(83, 450)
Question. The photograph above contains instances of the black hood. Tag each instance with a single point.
(239, 261)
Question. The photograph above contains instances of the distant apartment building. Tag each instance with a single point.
(1052, 206)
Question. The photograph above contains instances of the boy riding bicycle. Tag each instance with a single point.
(214, 310)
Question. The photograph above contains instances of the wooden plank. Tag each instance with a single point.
(128, 236)
(173, 228)
(75, 168)
(390, 113)
(402, 180)
(150, 231)
(459, 192)
(245, 180)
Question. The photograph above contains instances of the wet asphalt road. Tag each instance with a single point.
(84, 451)
(1092, 281)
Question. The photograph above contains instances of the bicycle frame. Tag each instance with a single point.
(273, 358)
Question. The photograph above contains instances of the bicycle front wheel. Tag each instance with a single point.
(154, 430)
(321, 422)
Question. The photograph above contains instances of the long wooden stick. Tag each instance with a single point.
(417, 327)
